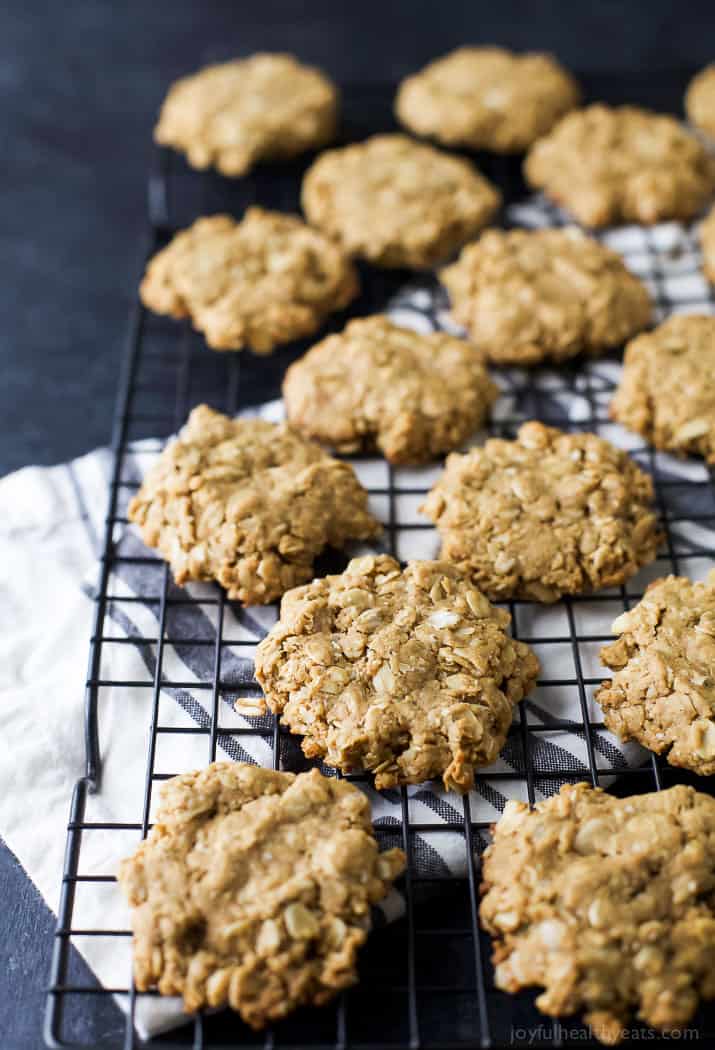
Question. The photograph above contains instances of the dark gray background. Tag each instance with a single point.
(80, 83)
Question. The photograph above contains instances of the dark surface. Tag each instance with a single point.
(80, 86)
(81, 83)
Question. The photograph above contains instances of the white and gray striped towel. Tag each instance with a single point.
(50, 533)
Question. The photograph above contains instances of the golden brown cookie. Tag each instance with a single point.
(707, 245)
(253, 889)
(232, 115)
(527, 296)
(663, 690)
(397, 202)
(607, 903)
(249, 504)
(408, 674)
(376, 385)
(487, 98)
(700, 100)
(608, 165)
(545, 515)
(259, 282)
(667, 389)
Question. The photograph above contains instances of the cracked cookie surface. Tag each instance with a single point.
(377, 385)
(700, 100)
(607, 903)
(547, 514)
(259, 282)
(253, 889)
(408, 674)
(707, 244)
(487, 98)
(249, 504)
(527, 296)
(610, 165)
(397, 202)
(667, 387)
(663, 689)
(234, 114)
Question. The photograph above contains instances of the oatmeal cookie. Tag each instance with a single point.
(259, 282)
(408, 674)
(527, 296)
(487, 98)
(707, 245)
(253, 889)
(376, 385)
(608, 165)
(231, 115)
(397, 202)
(700, 100)
(607, 903)
(667, 388)
(663, 689)
(545, 515)
(249, 504)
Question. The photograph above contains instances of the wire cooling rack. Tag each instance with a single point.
(426, 980)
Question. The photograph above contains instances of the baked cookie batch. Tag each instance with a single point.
(254, 887)
(249, 504)
(527, 296)
(259, 282)
(545, 515)
(411, 397)
(605, 903)
(609, 164)
(408, 674)
(234, 114)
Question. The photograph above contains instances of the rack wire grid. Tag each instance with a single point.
(425, 980)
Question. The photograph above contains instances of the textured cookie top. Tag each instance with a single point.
(678, 412)
(376, 385)
(663, 690)
(707, 245)
(409, 674)
(545, 515)
(624, 164)
(254, 888)
(249, 504)
(230, 116)
(259, 282)
(532, 295)
(608, 903)
(397, 202)
(487, 98)
(700, 100)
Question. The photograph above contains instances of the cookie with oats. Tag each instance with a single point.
(527, 296)
(487, 98)
(610, 165)
(700, 100)
(234, 114)
(397, 202)
(667, 387)
(707, 245)
(258, 283)
(606, 903)
(545, 515)
(662, 693)
(248, 504)
(253, 889)
(379, 386)
(407, 674)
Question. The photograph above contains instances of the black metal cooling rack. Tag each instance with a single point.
(426, 980)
